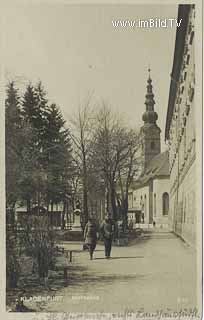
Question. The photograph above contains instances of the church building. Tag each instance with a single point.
(149, 196)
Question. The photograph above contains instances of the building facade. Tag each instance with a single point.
(149, 195)
(181, 130)
(149, 198)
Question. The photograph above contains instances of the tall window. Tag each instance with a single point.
(145, 204)
(184, 142)
(184, 211)
(152, 145)
(165, 200)
(155, 206)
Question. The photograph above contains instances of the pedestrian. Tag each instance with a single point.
(90, 236)
(107, 230)
(131, 225)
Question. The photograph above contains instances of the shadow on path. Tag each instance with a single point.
(137, 257)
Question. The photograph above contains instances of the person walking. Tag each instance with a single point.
(107, 230)
(90, 236)
(131, 225)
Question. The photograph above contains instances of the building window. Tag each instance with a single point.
(184, 144)
(152, 145)
(184, 211)
(191, 37)
(145, 204)
(130, 200)
(155, 207)
(165, 203)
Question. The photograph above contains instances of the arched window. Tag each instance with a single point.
(165, 200)
(155, 207)
(152, 145)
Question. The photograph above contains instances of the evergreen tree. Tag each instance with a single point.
(41, 120)
(12, 135)
(35, 108)
(13, 169)
(58, 154)
(35, 116)
(30, 106)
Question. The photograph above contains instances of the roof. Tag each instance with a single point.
(156, 167)
(183, 13)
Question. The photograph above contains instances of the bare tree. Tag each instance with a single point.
(82, 134)
(105, 153)
(128, 171)
(110, 151)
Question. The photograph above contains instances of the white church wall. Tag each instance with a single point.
(141, 196)
(160, 186)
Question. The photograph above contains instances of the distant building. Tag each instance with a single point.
(181, 130)
(149, 195)
(57, 214)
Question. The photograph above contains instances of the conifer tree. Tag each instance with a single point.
(58, 155)
(12, 135)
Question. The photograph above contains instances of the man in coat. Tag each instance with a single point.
(90, 236)
(107, 230)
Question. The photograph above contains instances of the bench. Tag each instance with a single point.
(68, 252)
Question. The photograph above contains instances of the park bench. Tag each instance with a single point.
(68, 254)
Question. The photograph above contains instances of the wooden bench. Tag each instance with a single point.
(68, 252)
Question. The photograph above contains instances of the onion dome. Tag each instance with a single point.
(149, 116)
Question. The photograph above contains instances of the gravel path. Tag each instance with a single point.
(156, 272)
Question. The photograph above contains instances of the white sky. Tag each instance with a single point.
(75, 50)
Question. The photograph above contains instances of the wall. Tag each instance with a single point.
(138, 195)
(182, 150)
(160, 186)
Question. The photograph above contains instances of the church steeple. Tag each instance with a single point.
(150, 132)
(149, 116)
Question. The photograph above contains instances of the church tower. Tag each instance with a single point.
(150, 132)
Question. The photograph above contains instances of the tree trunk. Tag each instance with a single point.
(51, 214)
(85, 191)
(113, 203)
(28, 206)
(125, 211)
(63, 216)
(11, 216)
(68, 217)
(48, 203)
(85, 201)
(38, 197)
(107, 200)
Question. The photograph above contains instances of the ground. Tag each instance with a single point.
(156, 272)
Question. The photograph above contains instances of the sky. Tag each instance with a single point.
(75, 51)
